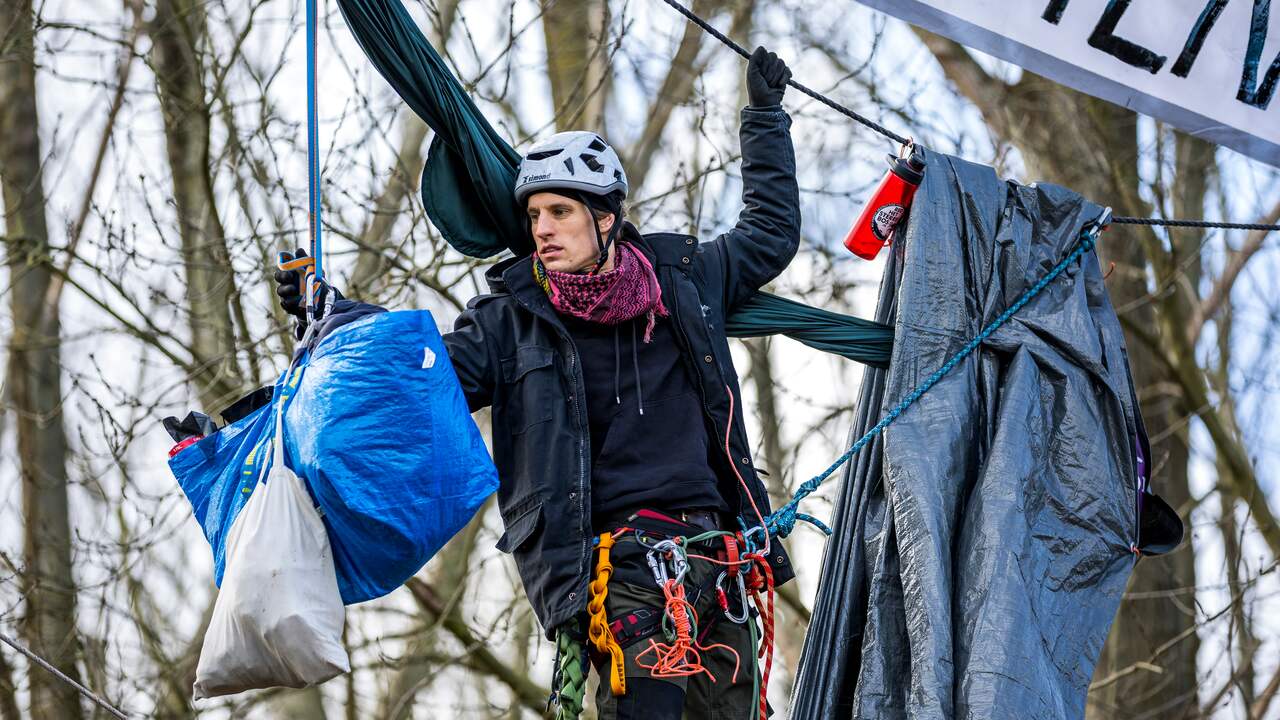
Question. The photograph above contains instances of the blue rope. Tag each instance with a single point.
(313, 143)
(783, 520)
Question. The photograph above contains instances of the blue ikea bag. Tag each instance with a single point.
(377, 427)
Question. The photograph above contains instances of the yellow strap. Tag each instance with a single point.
(598, 630)
(297, 263)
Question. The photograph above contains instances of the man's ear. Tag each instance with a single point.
(606, 223)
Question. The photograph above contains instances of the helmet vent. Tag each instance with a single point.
(544, 154)
(568, 164)
(591, 162)
(598, 145)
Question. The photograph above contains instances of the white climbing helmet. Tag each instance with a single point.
(574, 160)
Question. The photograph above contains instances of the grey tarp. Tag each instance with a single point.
(982, 545)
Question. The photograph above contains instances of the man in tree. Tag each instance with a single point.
(616, 410)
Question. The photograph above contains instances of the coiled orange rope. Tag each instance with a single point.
(683, 656)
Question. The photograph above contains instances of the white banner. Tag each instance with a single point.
(1209, 67)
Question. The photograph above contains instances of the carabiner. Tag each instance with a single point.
(679, 565)
(742, 595)
(658, 567)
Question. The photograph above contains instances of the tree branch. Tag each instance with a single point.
(676, 90)
(1236, 262)
(984, 90)
(54, 293)
(526, 692)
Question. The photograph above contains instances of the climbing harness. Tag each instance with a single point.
(598, 630)
(681, 655)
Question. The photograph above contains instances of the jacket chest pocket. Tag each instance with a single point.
(532, 387)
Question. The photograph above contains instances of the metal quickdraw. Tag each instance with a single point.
(598, 631)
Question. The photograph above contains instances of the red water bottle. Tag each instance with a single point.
(888, 205)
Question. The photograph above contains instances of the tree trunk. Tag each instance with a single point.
(576, 33)
(34, 378)
(178, 35)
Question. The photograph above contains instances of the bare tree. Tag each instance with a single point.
(179, 42)
(34, 376)
(156, 199)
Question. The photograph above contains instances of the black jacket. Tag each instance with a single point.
(511, 352)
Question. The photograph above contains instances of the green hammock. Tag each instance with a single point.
(470, 172)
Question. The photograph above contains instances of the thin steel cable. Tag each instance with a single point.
(868, 122)
(63, 677)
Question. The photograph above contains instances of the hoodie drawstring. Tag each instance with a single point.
(617, 393)
(635, 363)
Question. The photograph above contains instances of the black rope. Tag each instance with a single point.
(811, 93)
(1193, 223)
(872, 124)
(63, 677)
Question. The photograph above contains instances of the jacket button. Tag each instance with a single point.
(707, 358)
(685, 260)
(688, 241)
(573, 596)
(746, 461)
(777, 560)
(573, 495)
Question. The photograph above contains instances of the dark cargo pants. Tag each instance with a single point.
(635, 602)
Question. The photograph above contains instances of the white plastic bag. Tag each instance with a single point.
(278, 619)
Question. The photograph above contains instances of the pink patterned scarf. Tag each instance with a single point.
(625, 292)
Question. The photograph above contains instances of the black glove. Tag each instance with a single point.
(289, 289)
(767, 78)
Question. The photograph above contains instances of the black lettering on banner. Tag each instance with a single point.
(1261, 96)
(1104, 38)
(1195, 40)
(1053, 13)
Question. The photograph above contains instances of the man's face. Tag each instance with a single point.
(562, 232)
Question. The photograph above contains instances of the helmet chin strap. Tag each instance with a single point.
(602, 242)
